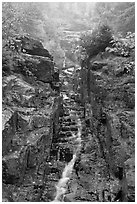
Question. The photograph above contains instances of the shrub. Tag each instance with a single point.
(96, 41)
(122, 46)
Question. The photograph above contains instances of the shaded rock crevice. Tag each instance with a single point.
(40, 114)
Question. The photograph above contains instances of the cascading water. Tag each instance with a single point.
(61, 187)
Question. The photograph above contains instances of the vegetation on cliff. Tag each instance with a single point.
(68, 83)
(108, 65)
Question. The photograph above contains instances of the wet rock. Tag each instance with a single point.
(54, 170)
(56, 76)
(68, 119)
(54, 152)
(66, 114)
(68, 155)
(61, 134)
(68, 134)
(73, 128)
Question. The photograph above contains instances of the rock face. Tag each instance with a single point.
(108, 95)
(29, 58)
(31, 111)
(42, 68)
(40, 128)
(28, 45)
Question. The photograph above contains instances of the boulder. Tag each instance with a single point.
(40, 67)
(44, 71)
(29, 45)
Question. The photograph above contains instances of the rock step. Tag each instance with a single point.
(64, 115)
(61, 134)
(66, 139)
(65, 119)
(77, 108)
(73, 128)
(70, 104)
(67, 128)
(69, 123)
(63, 140)
(68, 100)
(73, 108)
(66, 107)
(66, 112)
(65, 134)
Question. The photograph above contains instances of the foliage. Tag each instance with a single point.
(29, 18)
(120, 15)
(46, 20)
(94, 42)
(125, 21)
(122, 46)
(19, 18)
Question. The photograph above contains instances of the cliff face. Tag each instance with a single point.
(30, 117)
(40, 126)
(107, 91)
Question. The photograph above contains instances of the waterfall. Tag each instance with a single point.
(64, 61)
(61, 187)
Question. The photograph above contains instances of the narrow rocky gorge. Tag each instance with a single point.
(68, 135)
(40, 125)
(30, 115)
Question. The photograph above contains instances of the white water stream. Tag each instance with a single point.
(61, 187)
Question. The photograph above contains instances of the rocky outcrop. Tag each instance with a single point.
(31, 110)
(27, 56)
(29, 45)
(39, 127)
(109, 90)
